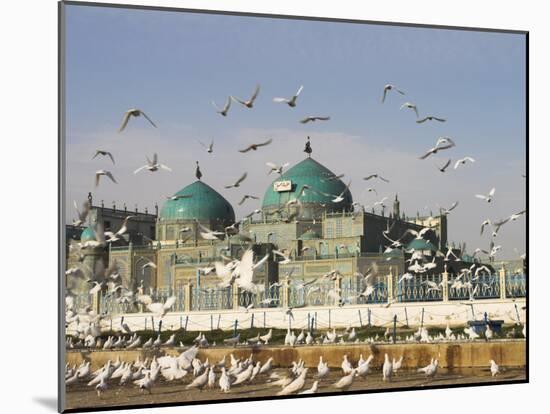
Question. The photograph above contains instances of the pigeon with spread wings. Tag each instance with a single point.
(134, 112)
(289, 101)
(254, 147)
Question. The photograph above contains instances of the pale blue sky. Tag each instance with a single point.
(173, 64)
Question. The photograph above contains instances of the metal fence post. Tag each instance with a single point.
(422, 319)
(186, 320)
(211, 322)
(219, 317)
(285, 292)
(264, 319)
(360, 319)
(389, 282)
(187, 297)
(502, 274)
(338, 286)
(329, 319)
(394, 328)
(406, 317)
(368, 317)
(445, 287)
(235, 293)
(235, 327)
(252, 322)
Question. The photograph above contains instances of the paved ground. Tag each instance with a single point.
(80, 396)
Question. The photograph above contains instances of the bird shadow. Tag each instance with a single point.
(48, 402)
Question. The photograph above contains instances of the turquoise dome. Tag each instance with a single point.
(204, 204)
(421, 244)
(318, 178)
(87, 235)
(309, 235)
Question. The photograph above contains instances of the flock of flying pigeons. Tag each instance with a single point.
(240, 272)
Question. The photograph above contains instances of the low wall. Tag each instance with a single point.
(432, 313)
(511, 353)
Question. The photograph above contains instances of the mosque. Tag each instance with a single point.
(318, 235)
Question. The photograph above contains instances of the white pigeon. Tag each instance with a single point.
(322, 368)
(106, 173)
(223, 111)
(363, 367)
(387, 368)
(488, 197)
(463, 161)
(153, 165)
(396, 365)
(431, 369)
(200, 381)
(345, 382)
(159, 309)
(134, 112)
(312, 390)
(495, 369)
(266, 368)
(289, 101)
(267, 337)
(409, 105)
(225, 381)
(390, 87)
(346, 365)
(295, 385)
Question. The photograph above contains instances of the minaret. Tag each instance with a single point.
(198, 172)
(308, 149)
(396, 207)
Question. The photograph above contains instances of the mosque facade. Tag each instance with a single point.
(164, 251)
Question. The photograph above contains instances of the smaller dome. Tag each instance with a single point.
(87, 235)
(421, 244)
(467, 258)
(393, 253)
(309, 235)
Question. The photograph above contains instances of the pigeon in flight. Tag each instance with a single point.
(444, 166)
(153, 165)
(246, 197)
(314, 118)
(106, 173)
(254, 147)
(463, 161)
(441, 144)
(488, 197)
(104, 153)
(410, 106)
(390, 87)
(447, 211)
(430, 118)
(290, 102)
(209, 148)
(375, 176)
(249, 103)
(238, 182)
(223, 111)
(134, 112)
(277, 168)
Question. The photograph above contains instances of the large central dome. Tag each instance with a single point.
(200, 202)
(324, 187)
